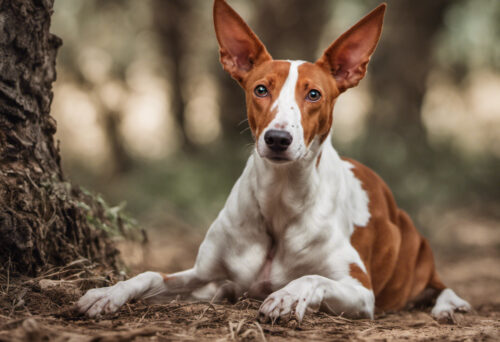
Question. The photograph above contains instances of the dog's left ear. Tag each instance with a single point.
(346, 59)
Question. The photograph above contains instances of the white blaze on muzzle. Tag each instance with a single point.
(288, 117)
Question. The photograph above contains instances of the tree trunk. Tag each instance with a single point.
(43, 220)
(170, 23)
(395, 140)
(122, 161)
(291, 29)
(406, 51)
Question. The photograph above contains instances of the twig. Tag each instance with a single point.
(363, 332)
(209, 305)
(231, 330)
(8, 277)
(142, 318)
(261, 331)
(240, 324)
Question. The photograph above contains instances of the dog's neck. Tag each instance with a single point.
(285, 191)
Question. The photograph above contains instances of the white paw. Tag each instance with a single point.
(293, 299)
(103, 300)
(447, 304)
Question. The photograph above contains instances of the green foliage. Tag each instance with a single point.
(111, 219)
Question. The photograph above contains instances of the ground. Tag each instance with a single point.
(40, 309)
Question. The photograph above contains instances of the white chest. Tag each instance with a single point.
(263, 263)
(278, 227)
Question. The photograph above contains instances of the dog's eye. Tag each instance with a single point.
(313, 95)
(261, 91)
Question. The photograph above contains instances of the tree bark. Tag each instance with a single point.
(44, 221)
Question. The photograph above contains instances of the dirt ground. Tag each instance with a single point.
(41, 309)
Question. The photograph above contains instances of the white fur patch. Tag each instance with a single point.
(109, 299)
(446, 305)
(358, 204)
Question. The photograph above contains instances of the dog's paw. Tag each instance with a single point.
(447, 304)
(278, 306)
(291, 301)
(103, 300)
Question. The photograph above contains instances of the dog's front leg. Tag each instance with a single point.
(208, 268)
(346, 296)
(143, 286)
(220, 257)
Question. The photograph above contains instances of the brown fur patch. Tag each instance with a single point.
(317, 116)
(360, 275)
(318, 160)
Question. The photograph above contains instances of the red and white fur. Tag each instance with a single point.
(302, 227)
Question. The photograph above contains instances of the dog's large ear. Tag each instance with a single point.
(240, 49)
(346, 59)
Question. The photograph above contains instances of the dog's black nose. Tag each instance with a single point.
(277, 140)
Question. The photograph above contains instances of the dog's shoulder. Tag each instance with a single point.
(381, 200)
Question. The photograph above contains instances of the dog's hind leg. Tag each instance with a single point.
(447, 302)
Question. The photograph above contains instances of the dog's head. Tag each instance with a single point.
(290, 103)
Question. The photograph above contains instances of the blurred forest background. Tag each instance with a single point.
(146, 114)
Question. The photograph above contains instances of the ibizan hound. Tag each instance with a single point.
(302, 227)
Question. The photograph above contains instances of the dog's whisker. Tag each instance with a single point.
(244, 130)
(242, 122)
(249, 146)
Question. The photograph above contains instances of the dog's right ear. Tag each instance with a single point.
(240, 49)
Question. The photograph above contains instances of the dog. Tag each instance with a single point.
(302, 227)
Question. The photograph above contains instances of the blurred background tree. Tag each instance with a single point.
(146, 113)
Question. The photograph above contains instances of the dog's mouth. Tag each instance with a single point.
(275, 157)
(278, 159)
